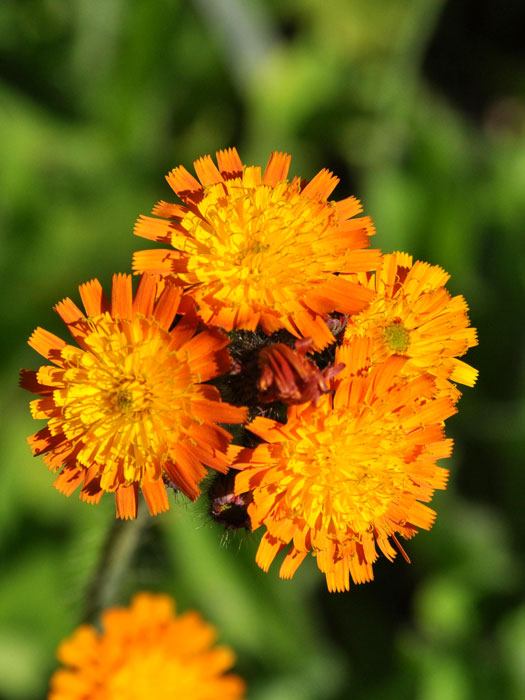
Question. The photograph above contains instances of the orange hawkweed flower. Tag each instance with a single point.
(254, 248)
(346, 476)
(145, 652)
(414, 315)
(127, 408)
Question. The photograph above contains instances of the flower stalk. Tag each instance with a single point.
(116, 558)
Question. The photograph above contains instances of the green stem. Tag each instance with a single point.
(115, 560)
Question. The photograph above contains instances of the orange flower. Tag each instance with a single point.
(145, 652)
(128, 408)
(254, 248)
(413, 315)
(348, 475)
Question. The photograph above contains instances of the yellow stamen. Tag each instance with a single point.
(397, 337)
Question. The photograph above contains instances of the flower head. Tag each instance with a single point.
(254, 248)
(127, 407)
(349, 474)
(414, 315)
(145, 652)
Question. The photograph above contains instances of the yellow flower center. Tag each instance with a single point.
(397, 337)
(133, 396)
(126, 398)
(335, 475)
(257, 243)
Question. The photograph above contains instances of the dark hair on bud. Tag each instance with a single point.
(227, 508)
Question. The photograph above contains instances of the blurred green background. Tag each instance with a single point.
(419, 106)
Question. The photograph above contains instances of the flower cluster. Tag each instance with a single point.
(268, 342)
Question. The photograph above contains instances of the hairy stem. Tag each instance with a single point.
(116, 557)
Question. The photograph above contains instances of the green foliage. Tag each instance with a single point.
(99, 100)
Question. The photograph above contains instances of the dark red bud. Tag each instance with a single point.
(226, 507)
(289, 376)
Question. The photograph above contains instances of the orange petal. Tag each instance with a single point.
(153, 229)
(181, 182)
(93, 298)
(42, 441)
(68, 311)
(126, 501)
(321, 186)
(464, 373)
(167, 306)
(186, 471)
(144, 300)
(168, 210)
(362, 260)
(384, 375)
(291, 563)
(160, 262)
(271, 323)
(91, 497)
(156, 496)
(216, 437)
(204, 344)
(269, 547)
(207, 171)
(277, 168)
(348, 207)
(360, 570)
(347, 297)
(122, 297)
(74, 318)
(92, 491)
(58, 454)
(229, 163)
(69, 480)
(313, 326)
(243, 480)
(182, 332)
(422, 516)
(266, 428)
(47, 344)
(218, 411)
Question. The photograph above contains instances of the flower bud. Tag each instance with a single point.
(226, 507)
(287, 375)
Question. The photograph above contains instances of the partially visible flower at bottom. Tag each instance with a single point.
(146, 652)
(346, 476)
